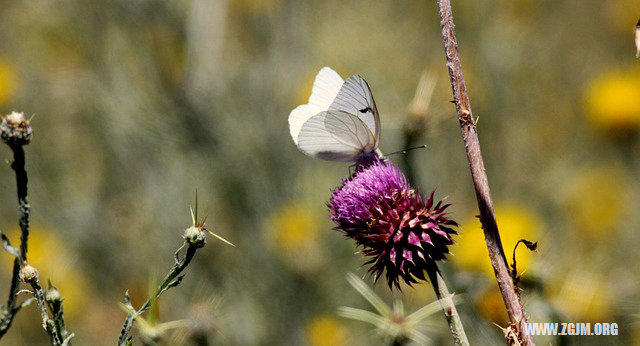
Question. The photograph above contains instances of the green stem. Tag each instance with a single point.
(170, 280)
(448, 307)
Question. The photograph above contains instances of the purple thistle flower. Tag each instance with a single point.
(400, 232)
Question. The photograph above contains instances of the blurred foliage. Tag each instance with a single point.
(138, 103)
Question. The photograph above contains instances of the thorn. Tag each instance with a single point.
(196, 204)
(219, 237)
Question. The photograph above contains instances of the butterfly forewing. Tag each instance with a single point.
(326, 87)
(355, 98)
(335, 136)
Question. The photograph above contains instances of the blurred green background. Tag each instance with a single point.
(140, 103)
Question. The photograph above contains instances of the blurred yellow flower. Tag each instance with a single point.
(326, 331)
(50, 256)
(514, 222)
(613, 100)
(7, 81)
(582, 296)
(491, 306)
(295, 235)
(597, 200)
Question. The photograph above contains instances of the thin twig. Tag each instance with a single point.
(511, 298)
(448, 307)
(514, 269)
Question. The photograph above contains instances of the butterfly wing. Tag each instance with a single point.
(355, 98)
(335, 136)
(326, 87)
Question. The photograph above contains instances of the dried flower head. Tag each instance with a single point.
(15, 129)
(400, 232)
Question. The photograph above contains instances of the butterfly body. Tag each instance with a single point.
(340, 122)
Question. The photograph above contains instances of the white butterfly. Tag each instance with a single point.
(340, 122)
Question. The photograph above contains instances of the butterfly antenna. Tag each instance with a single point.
(407, 150)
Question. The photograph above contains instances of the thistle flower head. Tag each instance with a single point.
(399, 232)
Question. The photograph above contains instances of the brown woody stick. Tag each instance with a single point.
(517, 333)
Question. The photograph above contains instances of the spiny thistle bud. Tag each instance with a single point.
(400, 232)
(28, 273)
(15, 129)
(195, 236)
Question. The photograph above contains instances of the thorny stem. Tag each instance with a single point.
(511, 298)
(18, 165)
(172, 279)
(448, 307)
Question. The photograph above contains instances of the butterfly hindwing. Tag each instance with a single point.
(335, 136)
